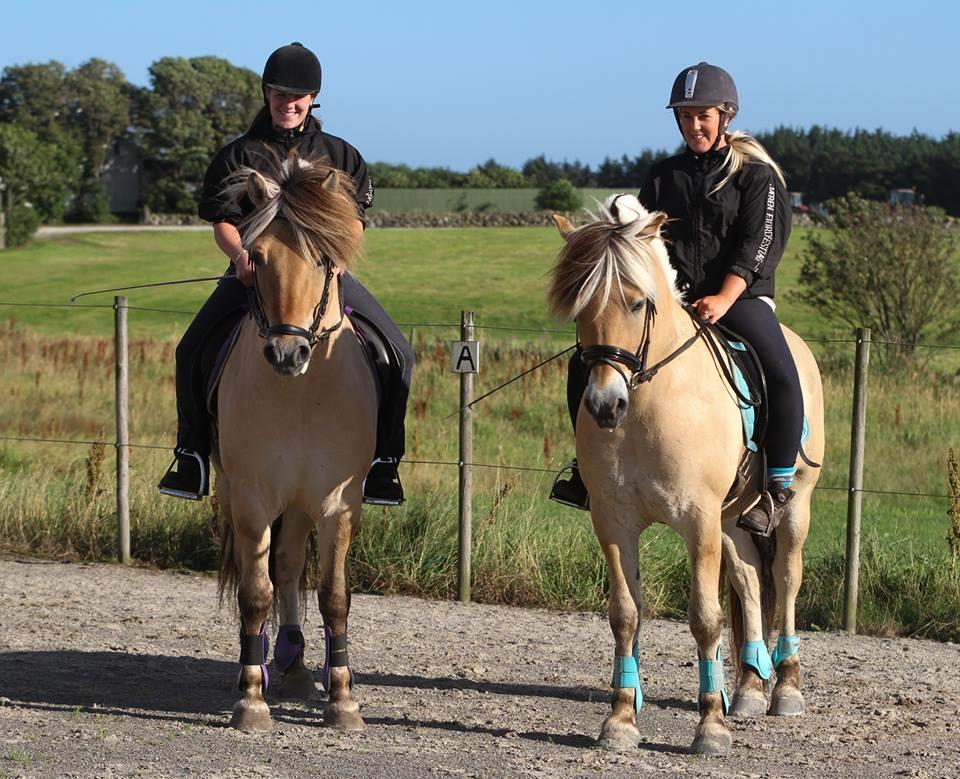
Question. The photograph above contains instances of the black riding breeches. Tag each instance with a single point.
(213, 324)
(391, 434)
(755, 321)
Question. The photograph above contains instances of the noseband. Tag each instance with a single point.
(313, 334)
(636, 362)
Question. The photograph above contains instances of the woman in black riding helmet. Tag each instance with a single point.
(730, 220)
(290, 84)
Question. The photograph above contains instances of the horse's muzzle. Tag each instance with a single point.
(289, 355)
(607, 404)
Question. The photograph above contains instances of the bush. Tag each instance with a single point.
(91, 204)
(889, 269)
(22, 223)
(559, 195)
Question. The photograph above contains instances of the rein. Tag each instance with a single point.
(636, 362)
(313, 334)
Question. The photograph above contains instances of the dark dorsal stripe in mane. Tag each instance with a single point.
(320, 211)
(605, 256)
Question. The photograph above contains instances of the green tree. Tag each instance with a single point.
(195, 107)
(889, 269)
(559, 195)
(493, 175)
(34, 177)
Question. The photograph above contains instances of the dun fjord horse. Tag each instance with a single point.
(665, 448)
(296, 426)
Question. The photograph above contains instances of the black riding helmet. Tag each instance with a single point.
(705, 85)
(294, 69)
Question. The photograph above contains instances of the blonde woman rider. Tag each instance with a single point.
(730, 220)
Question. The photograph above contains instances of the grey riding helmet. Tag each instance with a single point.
(294, 69)
(704, 84)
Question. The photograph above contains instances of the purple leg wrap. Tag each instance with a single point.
(289, 647)
(335, 656)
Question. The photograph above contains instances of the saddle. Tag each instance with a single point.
(382, 357)
(741, 368)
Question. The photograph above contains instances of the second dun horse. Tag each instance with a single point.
(296, 423)
(659, 439)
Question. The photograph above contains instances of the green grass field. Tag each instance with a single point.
(57, 383)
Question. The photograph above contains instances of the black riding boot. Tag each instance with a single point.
(191, 479)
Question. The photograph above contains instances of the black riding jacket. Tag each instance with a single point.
(312, 143)
(741, 229)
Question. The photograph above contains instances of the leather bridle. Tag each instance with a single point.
(636, 362)
(313, 334)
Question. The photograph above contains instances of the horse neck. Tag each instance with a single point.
(671, 325)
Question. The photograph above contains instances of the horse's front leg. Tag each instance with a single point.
(619, 730)
(251, 550)
(787, 699)
(706, 621)
(333, 595)
(754, 668)
(289, 550)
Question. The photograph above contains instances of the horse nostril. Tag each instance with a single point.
(271, 352)
(621, 405)
(303, 354)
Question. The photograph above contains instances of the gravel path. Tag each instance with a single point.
(113, 671)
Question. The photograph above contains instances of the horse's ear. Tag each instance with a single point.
(256, 188)
(563, 225)
(331, 181)
(657, 220)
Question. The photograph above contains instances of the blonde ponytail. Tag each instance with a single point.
(744, 149)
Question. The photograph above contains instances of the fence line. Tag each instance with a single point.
(464, 463)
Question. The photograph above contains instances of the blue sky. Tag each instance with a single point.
(453, 84)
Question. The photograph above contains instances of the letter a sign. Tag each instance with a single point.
(465, 357)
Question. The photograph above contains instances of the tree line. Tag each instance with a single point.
(58, 126)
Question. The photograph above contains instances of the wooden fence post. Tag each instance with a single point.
(855, 483)
(122, 444)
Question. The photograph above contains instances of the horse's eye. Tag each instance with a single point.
(637, 307)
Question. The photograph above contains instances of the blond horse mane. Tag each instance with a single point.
(606, 254)
(319, 210)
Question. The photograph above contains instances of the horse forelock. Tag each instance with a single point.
(320, 216)
(604, 257)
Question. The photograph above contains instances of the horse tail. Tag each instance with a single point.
(767, 547)
(228, 576)
(735, 608)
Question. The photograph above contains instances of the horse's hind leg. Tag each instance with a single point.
(787, 699)
(619, 730)
(251, 549)
(333, 595)
(743, 565)
(706, 621)
(289, 557)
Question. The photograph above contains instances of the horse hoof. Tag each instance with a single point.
(251, 717)
(619, 738)
(343, 715)
(748, 706)
(298, 685)
(714, 740)
(787, 705)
